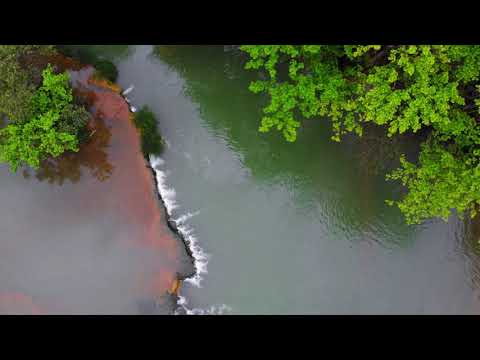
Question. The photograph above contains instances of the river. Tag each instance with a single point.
(282, 228)
(86, 233)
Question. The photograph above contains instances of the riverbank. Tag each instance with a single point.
(266, 212)
(269, 212)
(110, 102)
(100, 241)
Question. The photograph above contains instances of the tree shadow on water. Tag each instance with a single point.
(469, 240)
(92, 155)
(344, 183)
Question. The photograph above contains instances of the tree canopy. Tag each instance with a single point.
(43, 122)
(406, 88)
(16, 81)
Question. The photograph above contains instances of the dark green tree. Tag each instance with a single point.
(147, 124)
(16, 81)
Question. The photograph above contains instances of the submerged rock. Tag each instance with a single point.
(173, 225)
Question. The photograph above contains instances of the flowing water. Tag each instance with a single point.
(278, 227)
(86, 233)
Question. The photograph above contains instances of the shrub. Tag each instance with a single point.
(52, 129)
(146, 122)
(106, 69)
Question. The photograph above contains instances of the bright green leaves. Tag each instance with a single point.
(353, 51)
(54, 93)
(404, 88)
(294, 67)
(279, 112)
(412, 87)
(465, 59)
(30, 142)
(52, 129)
(311, 85)
(411, 91)
(444, 179)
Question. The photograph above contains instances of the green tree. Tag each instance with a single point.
(16, 80)
(52, 128)
(404, 88)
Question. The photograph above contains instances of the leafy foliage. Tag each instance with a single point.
(52, 128)
(16, 85)
(404, 88)
(445, 178)
(147, 124)
(107, 69)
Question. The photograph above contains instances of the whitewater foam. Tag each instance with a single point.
(200, 258)
(128, 90)
(212, 310)
(168, 194)
(169, 198)
(186, 217)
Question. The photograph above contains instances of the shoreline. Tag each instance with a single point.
(170, 223)
(171, 295)
(187, 267)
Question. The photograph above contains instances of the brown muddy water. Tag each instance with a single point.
(87, 232)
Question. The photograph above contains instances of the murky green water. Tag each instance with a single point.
(290, 228)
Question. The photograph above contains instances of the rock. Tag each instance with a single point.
(173, 225)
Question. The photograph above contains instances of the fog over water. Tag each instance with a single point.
(286, 228)
(87, 234)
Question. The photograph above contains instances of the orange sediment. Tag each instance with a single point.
(176, 286)
(132, 181)
(104, 83)
(114, 202)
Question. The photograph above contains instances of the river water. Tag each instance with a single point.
(282, 228)
(86, 234)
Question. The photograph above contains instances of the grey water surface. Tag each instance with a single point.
(290, 228)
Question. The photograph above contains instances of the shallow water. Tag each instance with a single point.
(86, 235)
(288, 228)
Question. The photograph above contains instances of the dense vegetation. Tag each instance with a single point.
(146, 123)
(433, 90)
(17, 82)
(105, 68)
(42, 119)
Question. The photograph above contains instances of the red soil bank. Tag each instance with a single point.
(112, 184)
(131, 188)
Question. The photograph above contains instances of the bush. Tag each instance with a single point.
(146, 122)
(52, 129)
(107, 69)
